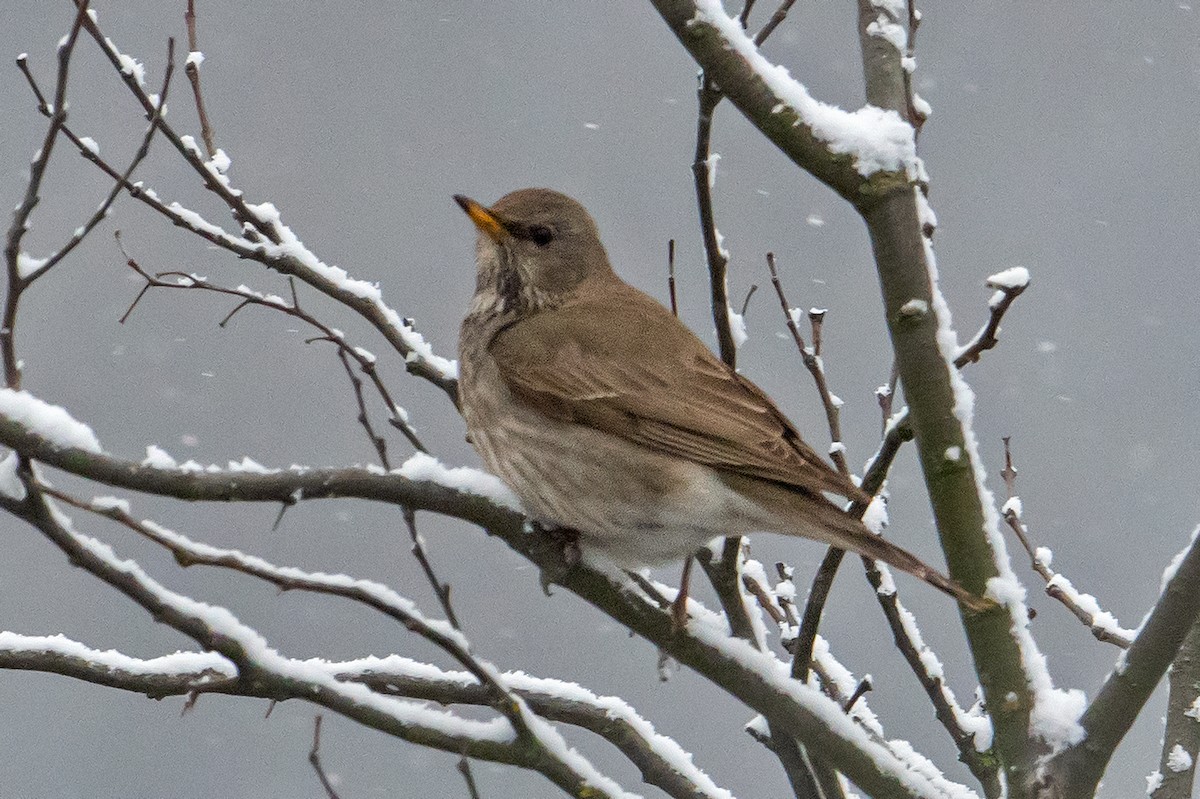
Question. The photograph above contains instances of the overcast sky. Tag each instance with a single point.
(1063, 139)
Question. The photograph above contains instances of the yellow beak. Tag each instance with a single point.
(483, 218)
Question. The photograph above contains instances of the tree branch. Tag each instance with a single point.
(1075, 772)
(813, 135)
(1181, 738)
(751, 676)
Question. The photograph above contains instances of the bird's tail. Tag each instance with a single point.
(817, 517)
(866, 543)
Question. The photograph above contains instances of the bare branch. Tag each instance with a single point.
(366, 362)
(815, 366)
(659, 758)
(534, 741)
(464, 768)
(193, 72)
(1076, 770)
(1181, 738)
(119, 185)
(440, 589)
(927, 668)
(703, 175)
(1103, 625)
(671, 278)
(282, 252)
(774, 22)
(20, 221)
(314, 754)
(986, 338)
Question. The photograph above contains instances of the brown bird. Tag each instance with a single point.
(605, 414)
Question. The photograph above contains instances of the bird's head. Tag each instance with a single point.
(535, 248)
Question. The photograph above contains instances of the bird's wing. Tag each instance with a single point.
(632, 370)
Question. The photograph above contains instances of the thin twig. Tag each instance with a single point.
(873, 478)
(707, 98)
(774, 22)
(886, 396)
(102, 210)
(364, 418)
(397, 416)
(816, 367)
(864, 685)
(744, 17)
(895, 432)
(20, 218)
(749, 296)
(193, 73)
(915, 653)
(258, 246)
(232, 198)
(986, 339)
(671, 278)
(464, 768)
(440, 589)
(314, 758)
(1102, 624)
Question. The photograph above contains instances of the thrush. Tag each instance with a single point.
(605, 414)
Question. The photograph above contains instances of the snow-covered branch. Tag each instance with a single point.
(855, 153)
(517, 737)
(264, 237)
(660, 759)
(1074, 772)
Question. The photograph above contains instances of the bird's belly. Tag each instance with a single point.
(638, 507)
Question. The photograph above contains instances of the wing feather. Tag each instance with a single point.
(634, 371)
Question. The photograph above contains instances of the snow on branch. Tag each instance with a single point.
(660, 759)
(847, 150)
(265, 238)
(1077, 769)
(875, 139)
(518, 737)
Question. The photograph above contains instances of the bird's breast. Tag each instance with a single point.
(637, 506)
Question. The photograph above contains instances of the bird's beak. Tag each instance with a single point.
(483, 218)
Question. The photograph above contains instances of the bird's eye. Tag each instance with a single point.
(540, 235)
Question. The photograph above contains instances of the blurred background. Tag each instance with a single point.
(1063, 139)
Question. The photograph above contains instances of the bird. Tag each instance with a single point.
(606, 415)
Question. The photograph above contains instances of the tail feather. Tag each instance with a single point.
(872, 546)
(827, 522)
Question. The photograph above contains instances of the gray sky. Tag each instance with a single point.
(1063, 139)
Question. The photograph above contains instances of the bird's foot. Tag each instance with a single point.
(679, 606)
(567, 541)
